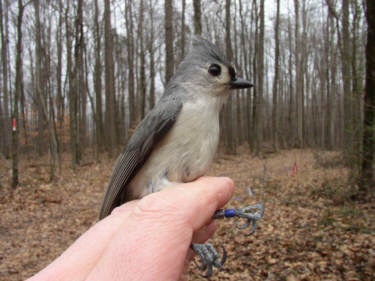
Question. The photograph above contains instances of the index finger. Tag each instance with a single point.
(195, 202)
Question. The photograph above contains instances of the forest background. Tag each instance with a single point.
(77, 76)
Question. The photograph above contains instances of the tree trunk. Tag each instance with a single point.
(152, 58)
(299, 77)
(276, 79)
(183, 30)
(109, 81)
(38, 80)
(17, 93)
(345, 56)
(291, 89)
(197, 17)
(60, 99)
(169, 57)
(332, 88)
(255, 109)
(130, 47)
(367, 172)
(357, 88)
(246, 54)
(76, 85)
(260, 69)
(98, 83)
(142, 75)
(228, 107)
(4, 59)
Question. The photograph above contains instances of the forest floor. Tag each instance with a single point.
(311, 230)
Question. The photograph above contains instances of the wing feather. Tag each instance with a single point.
(148, 133)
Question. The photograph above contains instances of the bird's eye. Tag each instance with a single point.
(214, 69)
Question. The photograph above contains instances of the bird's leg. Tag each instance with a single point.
(207, 253)
(208, 257)
(251, 213)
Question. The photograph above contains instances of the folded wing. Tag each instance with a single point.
(147, 134)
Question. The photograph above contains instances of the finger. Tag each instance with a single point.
(201, 236)
(193, 202)
(205, 233)
(124, 208)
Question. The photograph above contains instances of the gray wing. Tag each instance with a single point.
(147, 134)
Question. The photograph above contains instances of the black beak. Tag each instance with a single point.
(240, 83)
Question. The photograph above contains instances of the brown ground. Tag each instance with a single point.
(310, 231)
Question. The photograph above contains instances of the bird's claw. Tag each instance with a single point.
(251, 213)
(209, 257)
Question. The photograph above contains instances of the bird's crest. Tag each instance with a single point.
(203, 49)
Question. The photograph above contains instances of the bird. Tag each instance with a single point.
(177, 140)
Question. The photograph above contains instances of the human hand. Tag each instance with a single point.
(147, 239)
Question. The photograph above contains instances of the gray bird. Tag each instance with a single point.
(177, 140)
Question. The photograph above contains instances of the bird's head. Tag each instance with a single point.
(205, 70)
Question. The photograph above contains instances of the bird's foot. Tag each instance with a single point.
(209, 257)
(251, 213)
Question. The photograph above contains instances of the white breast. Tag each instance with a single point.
(187, 150)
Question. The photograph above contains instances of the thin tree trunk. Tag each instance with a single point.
(98, 83)
(182, 30)
(345, 56)
(17, 93)
(142, 80)
(291, 89)
(228, 107)
(169, 57)
(76, 85)
(260, 69)
(357, 88)
(38, 80)
(152, 58)
(327, 141)
(332, 88)
(109, 81)
(60, 100)
(255, 109)
(130, 47)
(299, 77)
(197, 17)
(4, 59)
(247, 98)
(367, 172)
(276, 79)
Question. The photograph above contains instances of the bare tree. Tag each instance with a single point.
(41, 89)
(315, 99)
